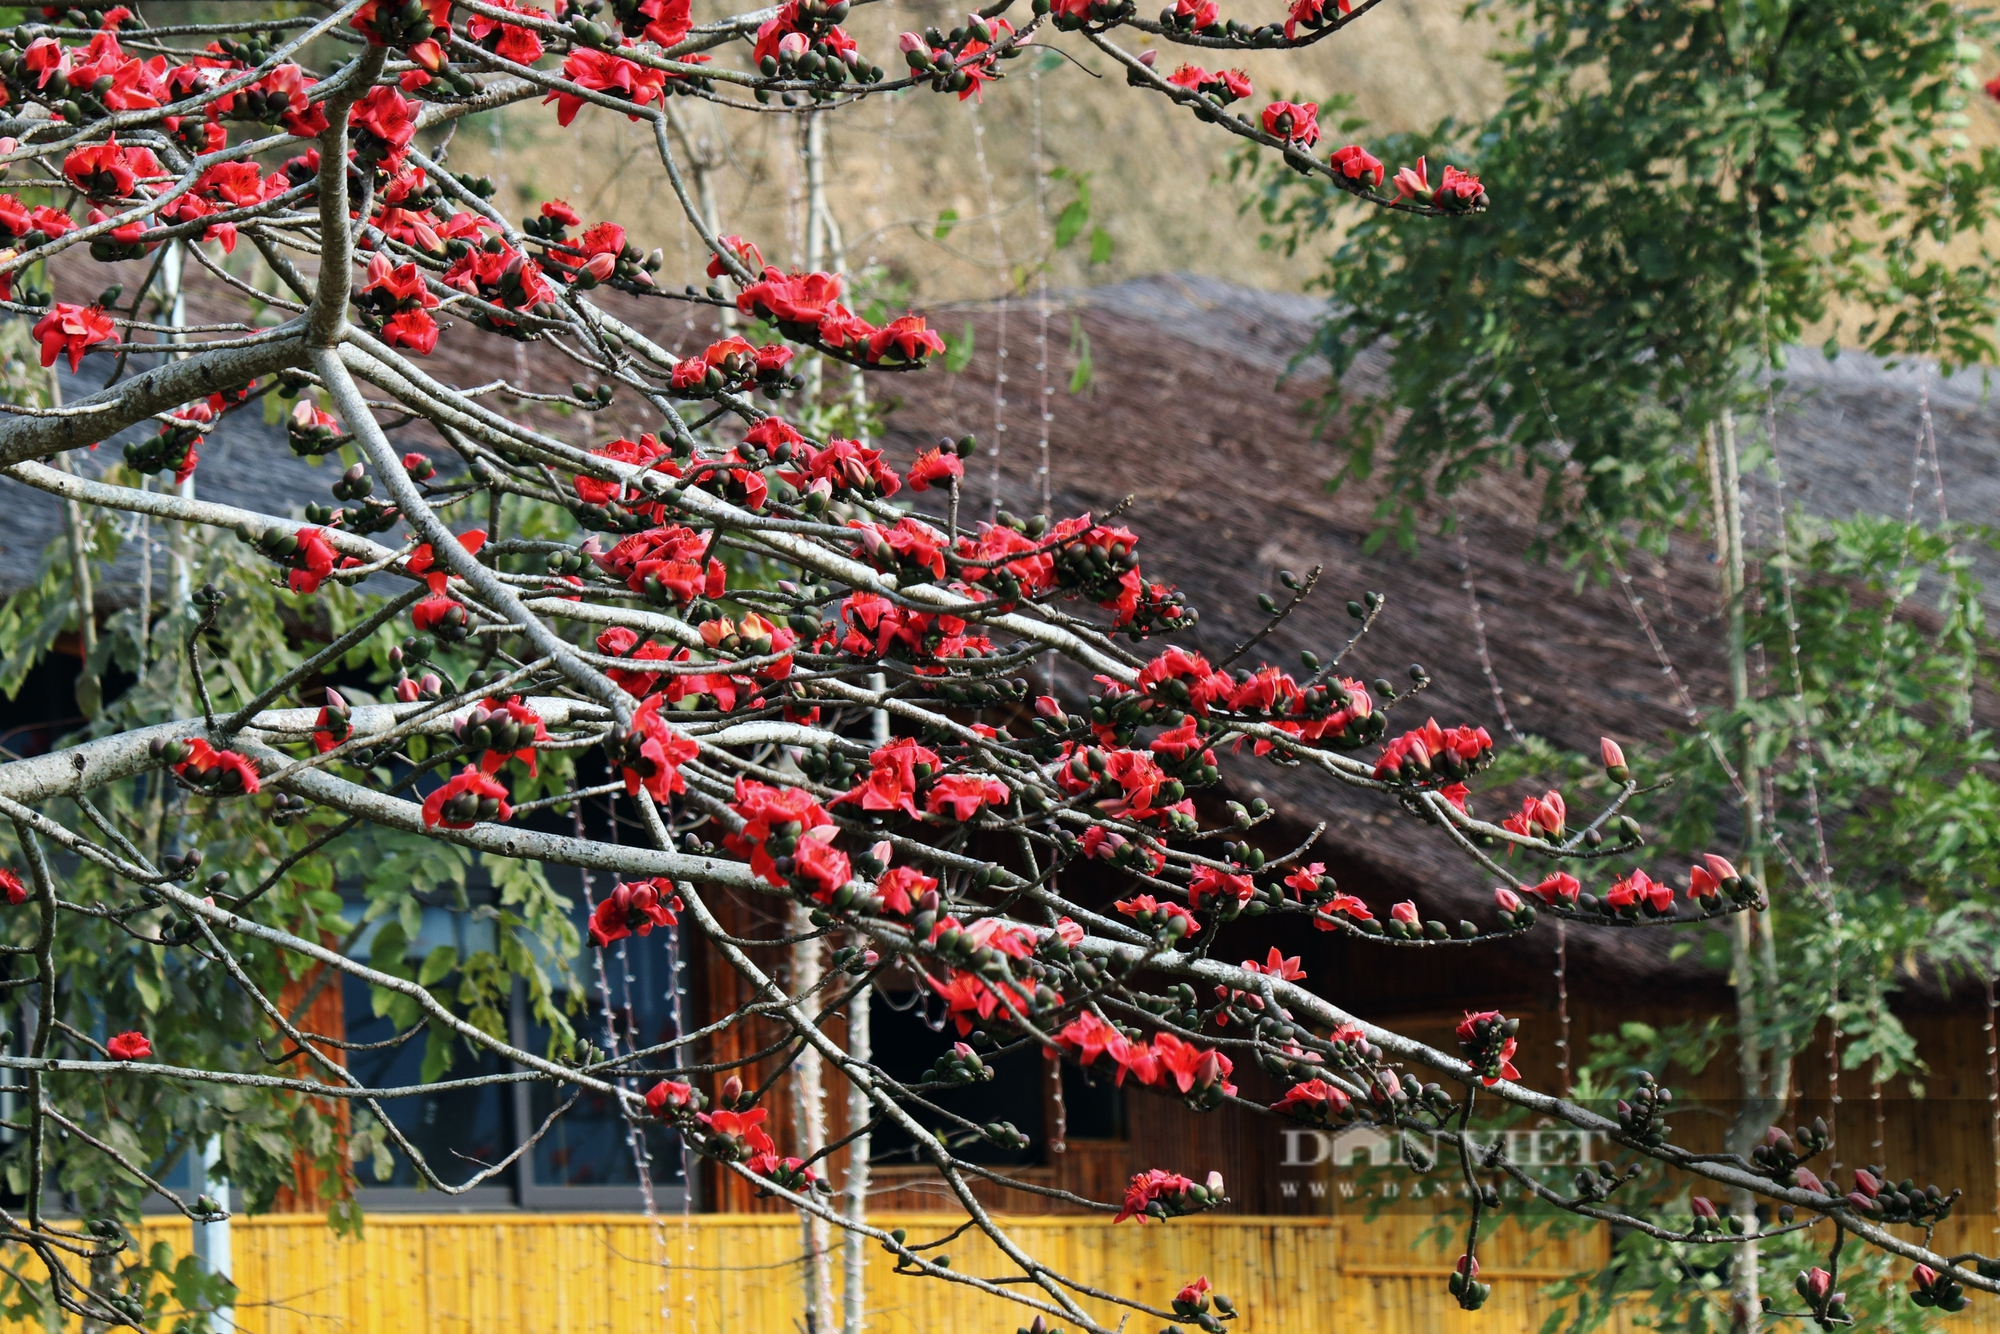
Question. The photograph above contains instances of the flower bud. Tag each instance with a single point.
(1614, 760)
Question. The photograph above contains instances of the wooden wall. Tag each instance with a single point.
(737, 1274)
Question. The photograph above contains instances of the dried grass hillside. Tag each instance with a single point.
(1159, 187)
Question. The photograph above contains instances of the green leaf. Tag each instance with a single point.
(1100, 245)
(958, 351)
(946, 220)
(440, 963)
(1079, 351)
(1071, 221)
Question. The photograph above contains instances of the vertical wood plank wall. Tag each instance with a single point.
(737, 1274)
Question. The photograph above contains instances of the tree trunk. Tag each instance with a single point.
(1763, 1073)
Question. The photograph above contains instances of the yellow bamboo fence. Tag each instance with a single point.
(739, 1274)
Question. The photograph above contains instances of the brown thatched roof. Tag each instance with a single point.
(1186, 416)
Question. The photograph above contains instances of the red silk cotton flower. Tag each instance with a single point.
(1294, 122)
(1487, 1039)
(1639, 890)
(129, 1047)
(73, 330)
(466, 800)
(934, 467)
(651, 753)
(603, 72)
(964, 794)
(17, 893)
(1355, 163)
(221, 773)
(634, 910)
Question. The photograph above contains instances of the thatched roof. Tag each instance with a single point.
(1186, 416)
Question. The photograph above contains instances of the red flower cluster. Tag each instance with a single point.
(935, 466)
(806, 307)
(604, 72)
(1155, 1196)
(732, 363)
(110, 171)
(225, 186)
(634, 910)
(498, 273)
(1315, 1102)
(1539, 817)
(1713, 876)
(399, 296)
(788, 838)
(1640, 892)
(1190, 1069)
(1558, 888)
(1457, 193)
(653, 753)
(970, 997)
(499, 731)
(619, 642)
(1225, 86)
(72, 330)
(221, 773)
(1169, 917)
(382, 125)
(669, 1096)
(646, 451)
(18, 220)
(312, 560)
(510, 41)
(665, 563)
(872, 626)
(1207, 882)
(1143, 791)
(466, 800)
(10, 884)
(133, 1046)
(733, 1135)
(1311, 14)
(1432, 752)
(847, 467)
(896, 773)
(1297, 123)
(1487, 1040)
(1357, 164)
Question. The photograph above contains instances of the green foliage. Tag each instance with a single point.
(116, 978)
(1676, 186)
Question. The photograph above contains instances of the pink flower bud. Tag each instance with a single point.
(965, 1053)
(601, 266)
(1718, 867)
(1924, 1275)
(1214, 1184)
(1866, 1182)
(1413, 182)
(1807, 1181)
(1614, 758)
(1469, 1266)
(1506, 899)
(1405, 912)
(793, 45)
(912, 41)
(1702, 1207)
(1818, 1284)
